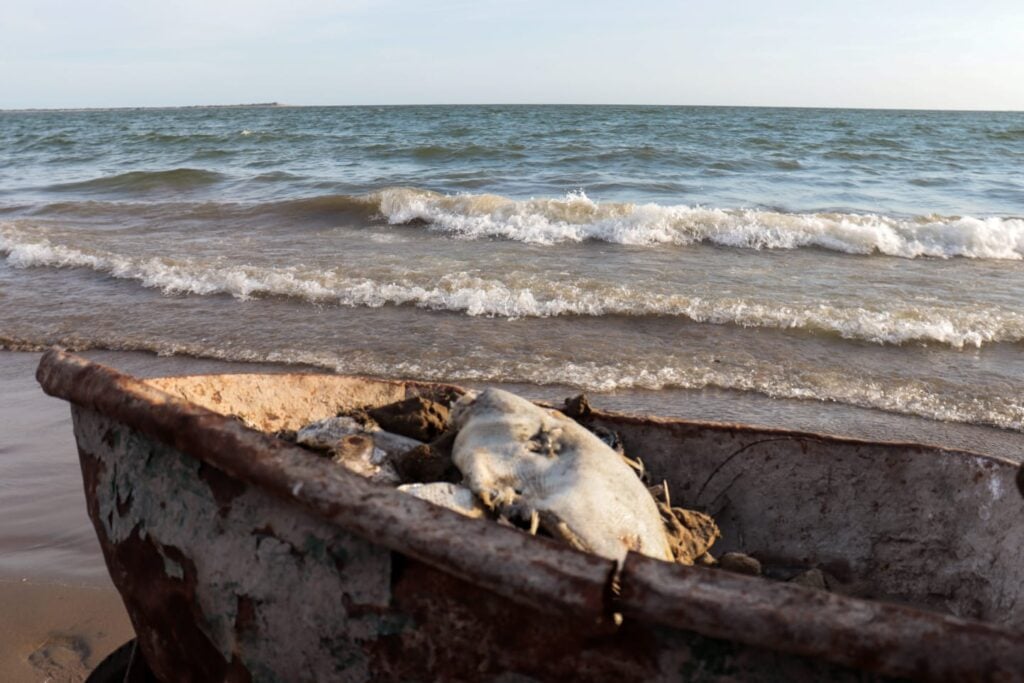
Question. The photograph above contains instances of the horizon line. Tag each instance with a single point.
(282, 105)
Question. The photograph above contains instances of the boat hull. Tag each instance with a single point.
(242, 558)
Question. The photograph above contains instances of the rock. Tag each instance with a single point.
(524, 461)
(1020, 479)
(691, 534)
(812, 578)
(446, 494)
(740, 563)
(417, 418)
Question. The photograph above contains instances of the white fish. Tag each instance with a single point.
(528, 462)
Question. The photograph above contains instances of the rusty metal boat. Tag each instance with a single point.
(241, 557)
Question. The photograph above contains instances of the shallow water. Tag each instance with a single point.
(864, 259)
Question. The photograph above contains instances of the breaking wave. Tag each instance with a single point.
(576, 218)
(526, 295)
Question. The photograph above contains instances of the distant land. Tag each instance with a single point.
(251, 105)
(270, 105)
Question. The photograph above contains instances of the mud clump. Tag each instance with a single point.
(577, 407)
(417, 418)
(429, 462)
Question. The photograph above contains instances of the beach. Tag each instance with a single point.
(851, 272)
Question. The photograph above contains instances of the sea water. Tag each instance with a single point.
(702, 261)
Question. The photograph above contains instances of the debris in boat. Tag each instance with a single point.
(417, 418)
(323, 434)
(740, 563)
(690, 533)
(289, 435)
(451, 496)
(812, 578)
(369, 451)
(429, 462)
(577, 407)
(530, 467)
(614, 442)
(525, 461)
(359, 453)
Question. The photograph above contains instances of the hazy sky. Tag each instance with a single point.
(946, 54)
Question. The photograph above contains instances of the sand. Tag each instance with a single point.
(59, 613)
(57, 632)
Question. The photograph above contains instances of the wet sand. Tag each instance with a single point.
(57, 632)
(59, 614)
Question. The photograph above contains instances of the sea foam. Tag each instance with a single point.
(577, 218)
(528, 295)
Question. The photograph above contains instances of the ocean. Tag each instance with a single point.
(845, 267)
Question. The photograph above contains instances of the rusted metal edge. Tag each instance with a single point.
(875, 636)
(536, 572)
(824, 437)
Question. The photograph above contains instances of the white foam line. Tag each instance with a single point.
(473, 295)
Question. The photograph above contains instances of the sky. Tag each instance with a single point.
(935, 54)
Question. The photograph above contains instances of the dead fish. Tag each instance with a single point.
(358, 453)
(528, 462)
(368, 451)
(448, 495)
(323, 434)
